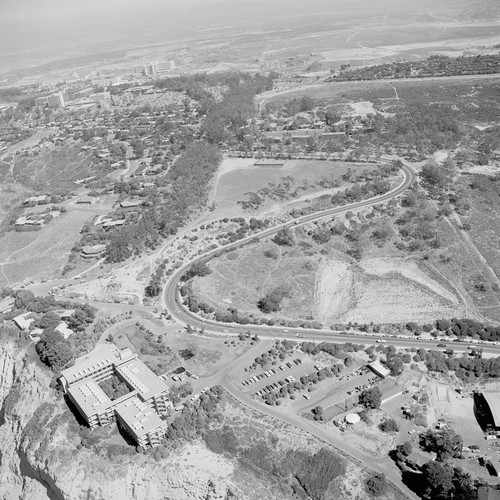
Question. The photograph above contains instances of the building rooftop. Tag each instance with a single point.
(93, 249)
(102, 355)
(23, 321)
(138, 416)
(138, 375)
(64, 329)
(379, 368)
(493, 400)
(130, 203)
(89, 397)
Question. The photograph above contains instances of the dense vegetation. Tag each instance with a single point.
(114, 387)
(271, 302)
(187, 182)
(53, 349)
(436, 65)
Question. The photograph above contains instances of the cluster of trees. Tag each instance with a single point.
(245, 228)
(177, 392)
(282, 191)
(389, 425)
(54, 350)
(153, 288)
(226, 120)
(284, 237)
(271, 302)
(199, 268)
(196, 418)
(339, 351)
(436, 479)
(376, 485)
(442, 481)
(436, 65)
(466, 368)
(361, 191)
(466, 327)
(371, 398)
(305, 382)
(114, 387)
(187, 182)
(446, 443)
(296, 105)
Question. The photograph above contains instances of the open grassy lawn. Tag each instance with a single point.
(239, 176)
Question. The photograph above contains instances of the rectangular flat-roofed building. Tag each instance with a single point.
(92, 403)
(141, 422)
(150, 392)
(378, 368)
(94, 251)
(151, 388)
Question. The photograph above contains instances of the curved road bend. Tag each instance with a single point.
(169, 296)
(172, 303)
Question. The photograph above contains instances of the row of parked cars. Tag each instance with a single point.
(275, 385)
(271, 372)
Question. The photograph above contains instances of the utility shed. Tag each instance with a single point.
(379, 369)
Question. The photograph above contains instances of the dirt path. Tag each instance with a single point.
(395, 90)
(334, 280)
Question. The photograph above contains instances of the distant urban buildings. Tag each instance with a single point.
(156, 67)
(57, 100)
(138, 412)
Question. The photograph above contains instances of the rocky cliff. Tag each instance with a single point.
(41, 456)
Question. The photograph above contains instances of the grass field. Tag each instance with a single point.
(210, 354)
(42, 253)
(239, 176)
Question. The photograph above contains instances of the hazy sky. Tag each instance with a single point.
(37, 29)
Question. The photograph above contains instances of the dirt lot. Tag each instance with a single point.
(328, 286)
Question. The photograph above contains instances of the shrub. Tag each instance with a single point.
(389, 425)
(376, 485)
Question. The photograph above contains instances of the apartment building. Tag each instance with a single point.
(138, 411)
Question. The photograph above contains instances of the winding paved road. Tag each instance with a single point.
(172, 302)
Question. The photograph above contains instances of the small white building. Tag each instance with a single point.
(379, 369)
(64, 330)
(23, 321)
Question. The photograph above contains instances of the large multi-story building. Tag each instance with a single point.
(57, 100)
(138, 411)
(157, 67)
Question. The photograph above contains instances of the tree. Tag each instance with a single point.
(395, 364)
(371, 398)
(284, 237)
(198, 269)
(317, 413)
(138, 148)
(438, 479)
(389, 425)
(271, 302)
(54, 350)
(376, 485)
(445, 443)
